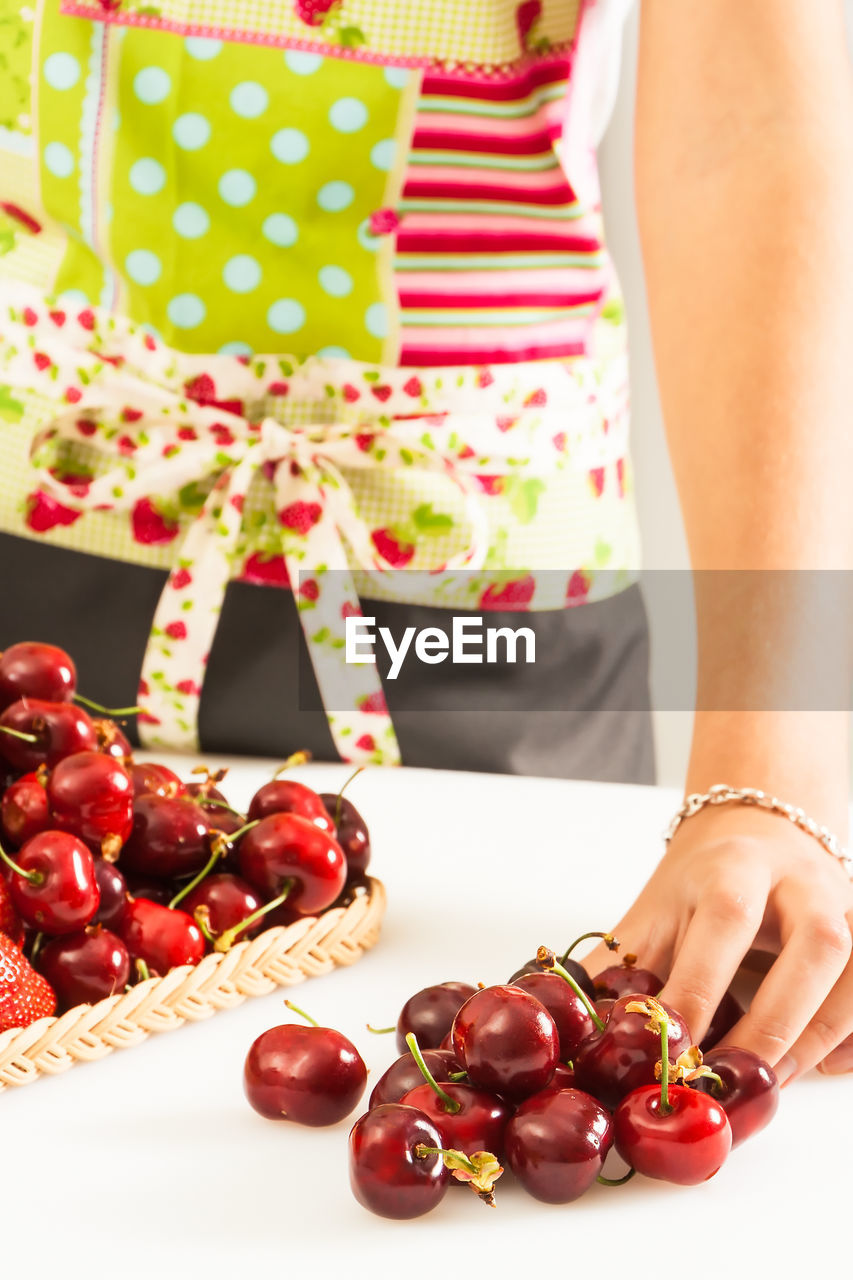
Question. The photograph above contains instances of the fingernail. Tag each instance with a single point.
(785, 1069)
(838, 1062)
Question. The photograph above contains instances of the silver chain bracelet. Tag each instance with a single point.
(721, 793)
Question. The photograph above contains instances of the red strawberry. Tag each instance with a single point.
(313, 12)
(310, 589)
(25, 996)
(278, 388)
(413, 387)
(238, 502)
(350, 611)
(300, 516)
(397, 553)
(58, 318)
(270, 571)
(374, 704)
(596, 480)
(189, 687)
(513, 595)
(381, 392)
(176, 630)
(45, 513)
(10, 923)
(86, 427)
(560, 441)
(201, 388)
(150, 527)
(181, 578)
(351, 393)
(505, 424)
(87, 319)
(130, 415)
(73, 395)
(492, 485)
(485, 378)
(366, 743)
(41, 361)
(536, 398)
(30, 317)
(578, 588)
(526, 17)
(364, 440)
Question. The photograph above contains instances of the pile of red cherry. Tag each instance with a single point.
(546, 1073)
(112, 870)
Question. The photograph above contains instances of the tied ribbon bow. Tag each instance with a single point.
(175, 442)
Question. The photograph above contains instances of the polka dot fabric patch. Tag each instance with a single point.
(218, 192)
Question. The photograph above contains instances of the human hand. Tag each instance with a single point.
(734, 879)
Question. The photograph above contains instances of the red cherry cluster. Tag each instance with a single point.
(112, 870)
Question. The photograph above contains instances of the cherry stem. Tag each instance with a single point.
(18, 733)
(201, 915)
(222, 804)
(550, 962)
(196, 880)
(38, 940)
(298, 757)
(422, 1151)
(380, 1031)
(241, 831)
(107, 711)
(608, 939)
(456, 1076)
(616, 1182)
(307, 1016)
(226, 940)
(665, 1105)
(143, 971)
(33, 877)
(359, 770)
(450, 1104)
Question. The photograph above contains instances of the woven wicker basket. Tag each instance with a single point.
(277, 957)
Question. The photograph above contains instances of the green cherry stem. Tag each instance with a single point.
(143, 972)
(18, 733)
(608, 939)
(216, 854)
(226, 940)
(549, 961)
(380, 1031)
(307, 1016)
(665, 1105)
(298, 757)
(450, 1104)
(222, 804)
(616, 1182)
(34, 877)
(359, 770)
(422, 1151)
(113, 712)
(234, 836)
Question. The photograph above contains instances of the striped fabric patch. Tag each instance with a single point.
(496, 259)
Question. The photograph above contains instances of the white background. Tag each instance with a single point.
(664, 546)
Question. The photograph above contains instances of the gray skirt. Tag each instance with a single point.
(582, 710)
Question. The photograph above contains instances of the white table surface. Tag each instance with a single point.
(151, 1161)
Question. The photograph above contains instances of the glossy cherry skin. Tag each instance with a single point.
(112, 741)
(350, 832)
(622, 1057)
(727, 1013)
(160, 936)
(557, 1142)
(750, 1096)
(168, 837)
(91, 795)
(686, 1146)
(61, 729)
(385, 1174)
(624, 979)
(311, 1075)
(150, 779)
(24, 809)
(478, 1125)
(227, 900)
(573, 1020)
(283, 795)
(86, 966)
(112, 888)
(507, 1041)
(574, 967)
(34, 670)
(66, 897)
(429, 1013)
(285, 846)
(405, 1074)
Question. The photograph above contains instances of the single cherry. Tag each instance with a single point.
(566, 1007)
(34, 670)
(386, 1174)
(86, 966)
(557, 1142)
(283, 795)
(313, 1075)
(169, 837)
(24, 810)
(622, 1057)
(53, 887)
(225, 901)
(112, 888)
(285, 847)
(160, 936)
(405, 1074)
(57, 729)
(350, 831)
(91, 795)
(750, 1092)
(429, 1013)
(626, 979)
(507, 1041)
(686, 1143)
